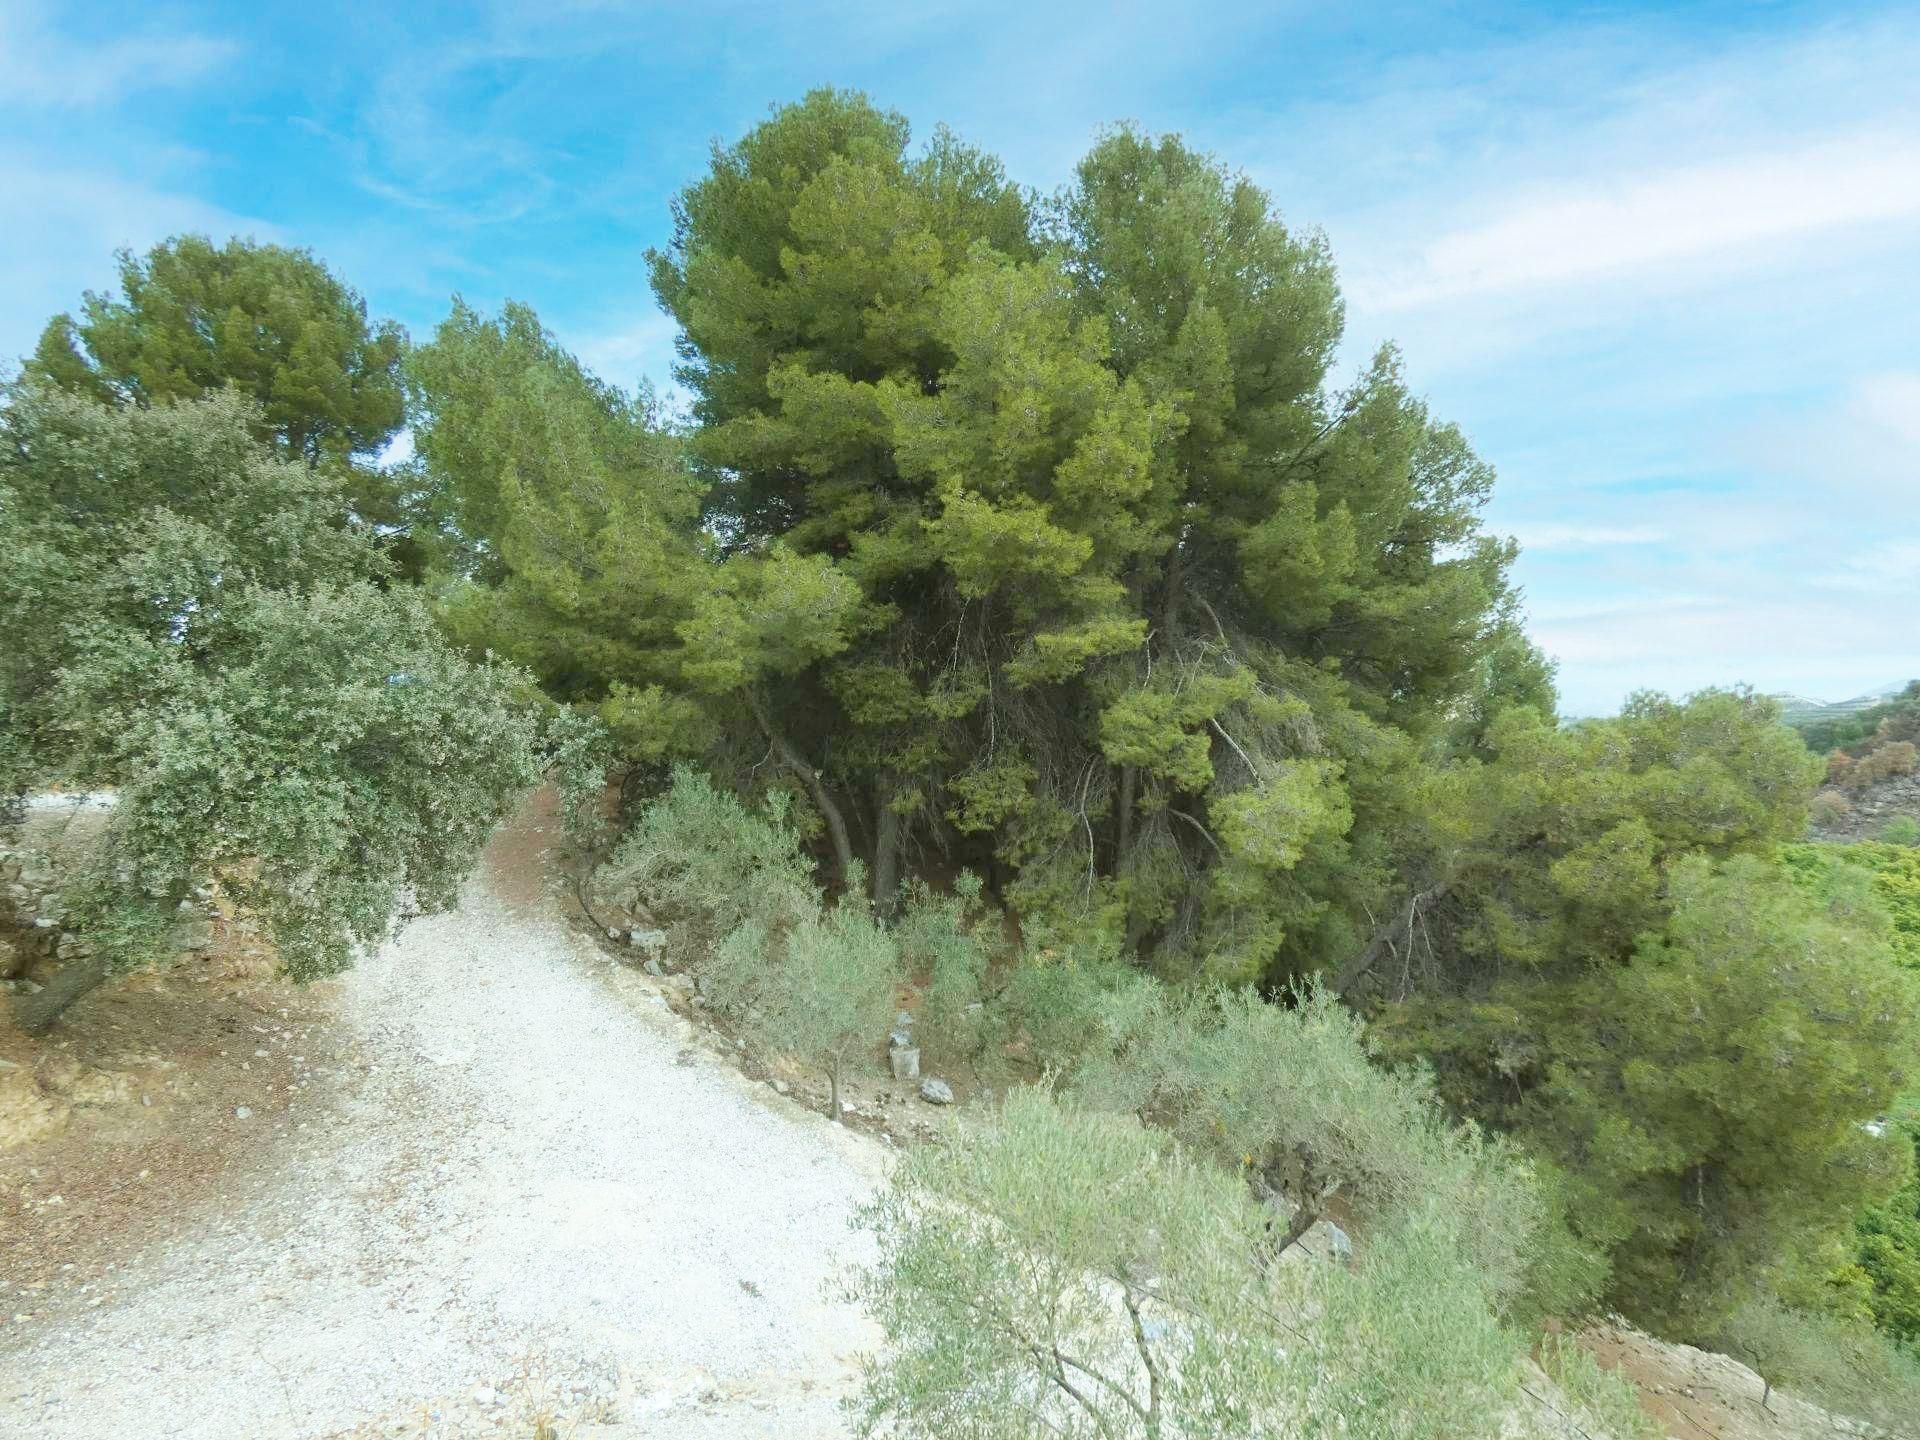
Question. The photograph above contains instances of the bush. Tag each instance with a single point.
(1843, 1367)
(703, 856)
(1075, 1005)
(1068, 1272)
(1829, 808)
(951, 940)
(1891, 873)
(1286, 1094)
(821, 992)
(1709, 1109)
(195, 622)
(1605, 1400)
(1902, 830)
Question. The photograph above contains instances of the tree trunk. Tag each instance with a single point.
(1176, 582)
(790, 757)
(890, 835)
(36, 1013)
(833, 1095)
(1123, 842)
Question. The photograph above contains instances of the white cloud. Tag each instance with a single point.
(1629, 221)
(69, 223)
(1892, 402)
(640, 349)
(41, 68)
(1891, 567)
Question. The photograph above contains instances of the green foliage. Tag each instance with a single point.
(1886, 1260)
(1711, 1096)
(1894, 719)
(564, 511)
(1074, 1002)
(1846, 1369)
(821, 991)
(699, 854)
(1037, 535)
(1066, 1272)
(1901, 830)
(192, 319)
(1286, 1094)
(197, 629)
(950, 940)
(1830, 871)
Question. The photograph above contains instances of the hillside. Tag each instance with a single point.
(1801, 710)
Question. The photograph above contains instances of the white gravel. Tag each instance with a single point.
(535, 1172)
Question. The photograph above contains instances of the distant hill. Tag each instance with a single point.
(1799, 710)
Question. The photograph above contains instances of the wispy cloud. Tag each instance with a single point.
(70, 221)
(41, 67)
(1632, 221)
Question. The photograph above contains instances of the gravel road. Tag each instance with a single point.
(530, 1185)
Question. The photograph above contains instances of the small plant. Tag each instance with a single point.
(951, 940)
(1903, 830)
(1842, 1366)
(1829, 808)
(703, 855)
(821, 992)
(1065, 1272)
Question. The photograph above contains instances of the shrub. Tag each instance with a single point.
(1069, 1272)
(1902, 830)
(821, 992)
(1887, 1258)
(951, 940)
(196, 622)
(1829, 808)
(1604, 1399)
(1841, 1366)
(1075, 1004)
(1710, 1107)
(704, 856)
(1286, 1093)
(1890, 873)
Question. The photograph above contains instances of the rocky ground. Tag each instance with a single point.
(1872, 810)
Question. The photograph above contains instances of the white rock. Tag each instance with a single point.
(241, 1112)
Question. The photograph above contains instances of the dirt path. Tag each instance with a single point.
(535, 1188)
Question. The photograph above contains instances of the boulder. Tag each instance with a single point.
(905, 1060)
(936, 1092)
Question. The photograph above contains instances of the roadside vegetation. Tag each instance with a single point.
(1029, 621)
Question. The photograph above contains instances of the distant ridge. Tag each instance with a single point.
(1801, 710)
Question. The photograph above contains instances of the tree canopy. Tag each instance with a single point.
(1035, 535)
(192, 318)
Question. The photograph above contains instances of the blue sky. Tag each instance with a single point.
(1661, 262)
